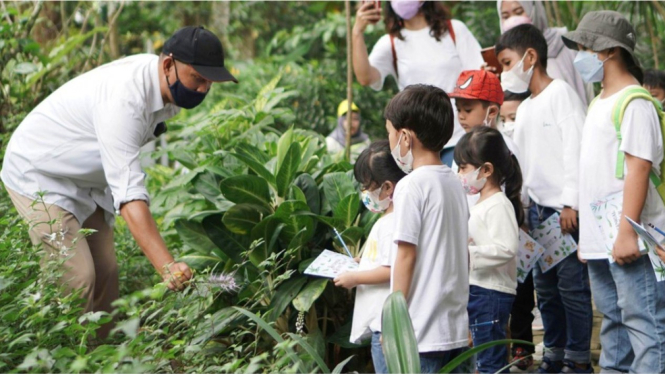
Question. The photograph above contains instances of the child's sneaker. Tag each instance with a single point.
(549, 366)
(571, 367)
(522, 361)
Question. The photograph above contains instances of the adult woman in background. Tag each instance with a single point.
(422, 45)
(559, 58)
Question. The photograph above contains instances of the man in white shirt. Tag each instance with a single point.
(78, 152)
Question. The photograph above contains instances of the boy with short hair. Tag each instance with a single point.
(430, 262)
(548, 132)
(479, 98)
(508, 113)
(654, 81)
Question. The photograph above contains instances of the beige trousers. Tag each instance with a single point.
(92, 266)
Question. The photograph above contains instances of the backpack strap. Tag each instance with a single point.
(451, 30)
(392, 47)
(617, 117)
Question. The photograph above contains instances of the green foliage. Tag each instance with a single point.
(399, 340)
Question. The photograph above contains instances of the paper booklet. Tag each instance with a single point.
(330, 264)
(528, 254)
(557, 245)
(608, 217)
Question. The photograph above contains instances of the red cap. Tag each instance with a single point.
(478, 85)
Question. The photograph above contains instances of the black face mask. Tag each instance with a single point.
(183, 96)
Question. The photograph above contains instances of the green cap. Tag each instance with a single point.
(602, 30)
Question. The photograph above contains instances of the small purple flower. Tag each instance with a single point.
(225, 282)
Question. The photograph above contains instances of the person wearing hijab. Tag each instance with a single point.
(559, 59)
(336, 141)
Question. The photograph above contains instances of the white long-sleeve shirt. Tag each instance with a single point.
(81, 144)
(548, 133)
(494, 239)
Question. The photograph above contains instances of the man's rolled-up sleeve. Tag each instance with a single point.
(120, 129)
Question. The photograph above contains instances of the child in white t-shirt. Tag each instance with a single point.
(627, 291)
(430, 265)
(486, 164)
(547, 132)
(378, 175)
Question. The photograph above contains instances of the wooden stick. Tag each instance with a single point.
(349, 81)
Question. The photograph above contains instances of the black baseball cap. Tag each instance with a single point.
(201, 49)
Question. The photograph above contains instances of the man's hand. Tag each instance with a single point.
(176, 275)
(366, 14)
(568, 220)
(347, 280)
(625, 248)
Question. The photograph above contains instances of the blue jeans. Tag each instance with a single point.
(489, 311)
(377, 354)
(564, 300)
(432, 362)
(632, 302)
(447, 156)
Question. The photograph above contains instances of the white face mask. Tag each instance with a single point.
(373, 201)
(508, 128)
(472, 185)
(403, 162)
(516, 80)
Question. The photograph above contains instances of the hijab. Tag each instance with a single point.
(536, 11)
(339, 133)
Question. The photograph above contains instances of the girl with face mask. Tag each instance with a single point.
(377, 173)
(422, 45)
(485, 164)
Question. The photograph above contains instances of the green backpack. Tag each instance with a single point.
(617, 117)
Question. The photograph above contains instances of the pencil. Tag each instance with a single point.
(657, 229)
(343, 243)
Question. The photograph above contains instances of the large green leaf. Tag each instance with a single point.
(288, 169)
(289, 212)
(347, 209)
(231, 244)
(247, 189)
(308, 186)
(399, 340)
(242, 218)
(194, 235)
(207, 185)
(200, 262)
(267, 231)
(336, 187)
(283, 145)
(309, 294)
(256, 160)
(285, 293)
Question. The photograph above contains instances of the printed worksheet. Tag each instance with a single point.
(528, 254)
(330, 264)
(557, 245)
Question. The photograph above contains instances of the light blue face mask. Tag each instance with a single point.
(589, 66)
